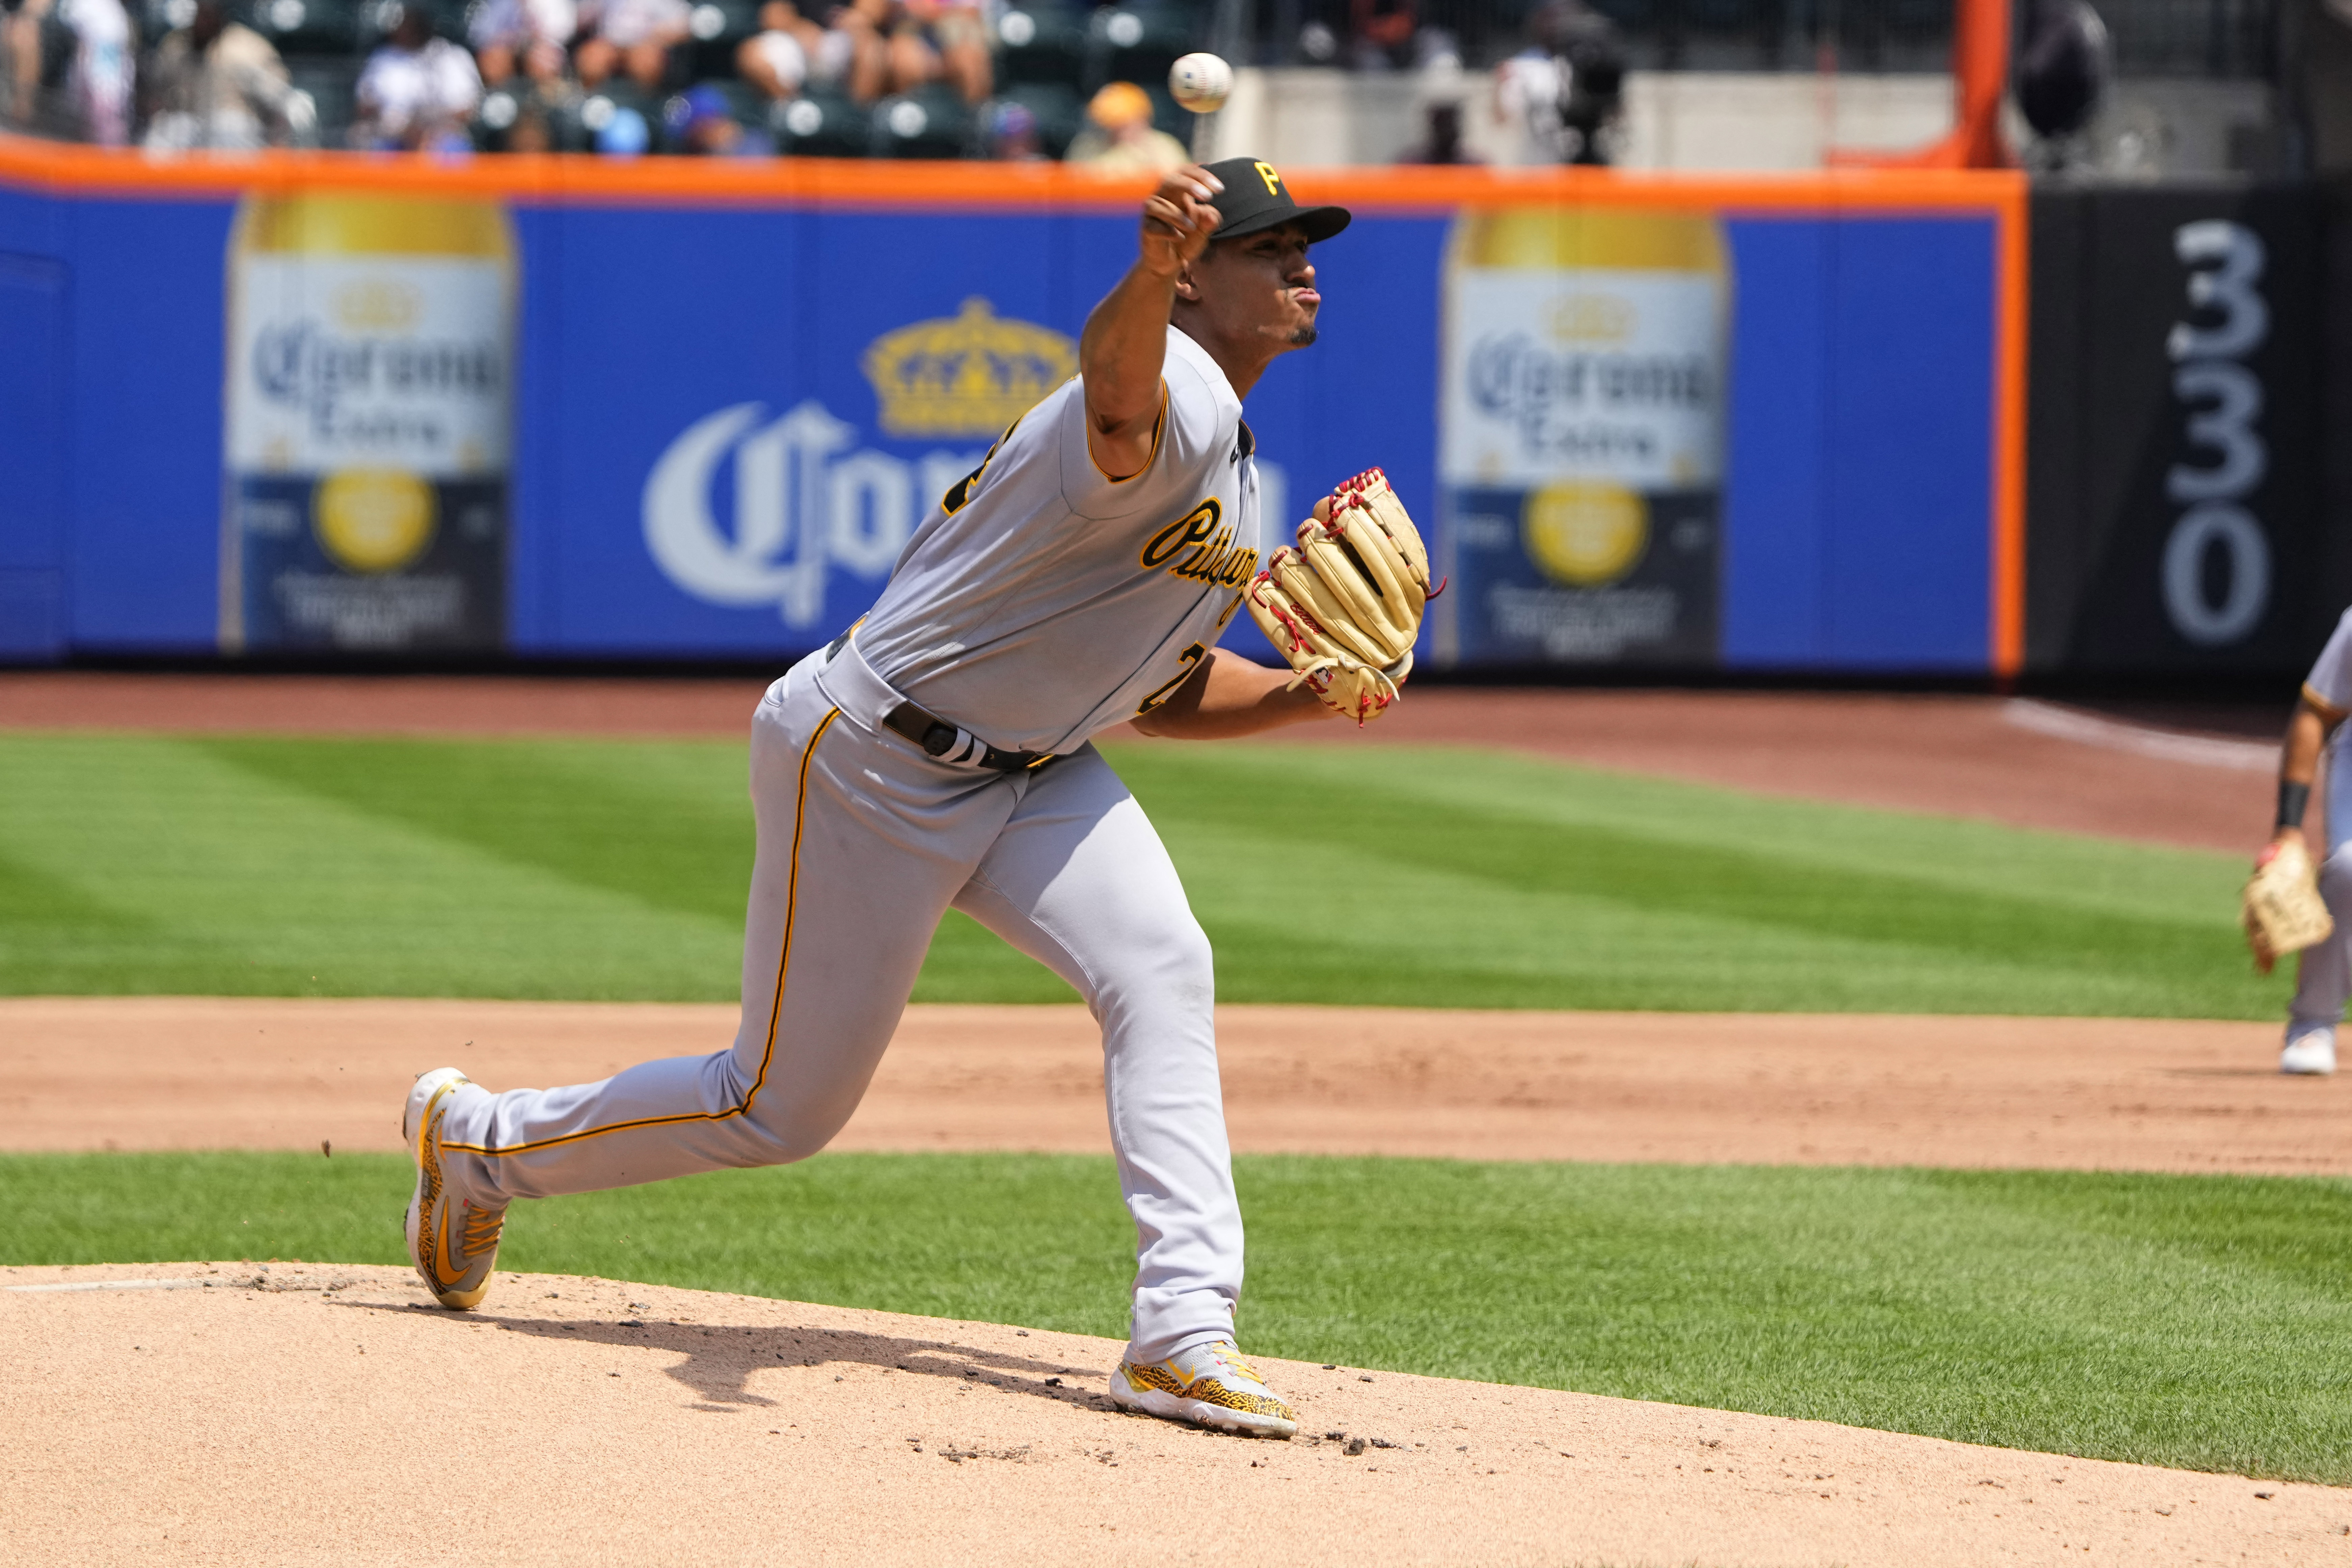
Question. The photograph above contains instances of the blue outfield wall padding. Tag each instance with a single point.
(1777, 439)
(144, 449)
(1858, 477)
(33, 295)
(661, 353)
(1907, 571)
(536, 536)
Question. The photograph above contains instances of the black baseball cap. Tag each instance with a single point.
(1257, 197)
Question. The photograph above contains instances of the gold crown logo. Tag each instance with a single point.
(970, 375)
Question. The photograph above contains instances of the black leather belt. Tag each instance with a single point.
(938, 738)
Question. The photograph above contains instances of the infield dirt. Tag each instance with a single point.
(303, 1415)
(1835, 1089)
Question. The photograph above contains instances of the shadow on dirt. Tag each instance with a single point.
(720, 1359)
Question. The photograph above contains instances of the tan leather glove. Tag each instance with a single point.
(1345, 606)
(2283, 908)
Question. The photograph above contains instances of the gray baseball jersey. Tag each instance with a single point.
(2330, 679)
(1043, 601)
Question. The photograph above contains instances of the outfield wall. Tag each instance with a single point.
(2181, 518)
(1750, 423)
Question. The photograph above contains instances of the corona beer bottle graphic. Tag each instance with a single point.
(366, 431)
(1581, 436)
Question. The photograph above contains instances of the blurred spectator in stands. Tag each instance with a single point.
(702, 124)
(533, 131)
(70, 69)
(20, 63)
(790, 53)
(898, 45)
(1382, 33)
(215, 83)
(1012, 134)
(1120, 138)
(416, 90)
(635, 38)
(942, 40)
(1596, 84)
(100, 86)
(1559, 99)
(1442, 143)
(1530, 89)
(525, 36)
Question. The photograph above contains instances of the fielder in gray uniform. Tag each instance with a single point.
(939, 756)
(2325, 974)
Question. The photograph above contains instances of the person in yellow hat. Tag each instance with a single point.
(1120, 138)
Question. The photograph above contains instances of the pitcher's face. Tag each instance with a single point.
(1259, 288)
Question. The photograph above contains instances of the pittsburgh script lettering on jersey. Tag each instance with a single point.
(1199, 547)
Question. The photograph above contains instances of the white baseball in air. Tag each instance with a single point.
(1200, 83)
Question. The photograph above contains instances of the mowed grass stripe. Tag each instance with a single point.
(618, 869)
(173, 871)
(2197, 1321)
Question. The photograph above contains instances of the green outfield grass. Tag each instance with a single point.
(2198, 1321)
(616, 870)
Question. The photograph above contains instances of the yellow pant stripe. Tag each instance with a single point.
(775, 1009)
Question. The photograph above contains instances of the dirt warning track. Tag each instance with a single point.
(1824, 1088)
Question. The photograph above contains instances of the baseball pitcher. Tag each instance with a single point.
(939, 755)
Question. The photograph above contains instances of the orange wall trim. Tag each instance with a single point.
(68, 170)
(2011, 324)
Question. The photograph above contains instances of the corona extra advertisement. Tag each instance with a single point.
(1582, 445)
(468, 412)
(819, 516)
(369, 401)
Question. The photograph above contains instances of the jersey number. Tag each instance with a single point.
(1190, 658)
(959, 493)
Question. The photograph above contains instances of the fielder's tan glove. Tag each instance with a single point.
(1345, 606)
(2283, 911)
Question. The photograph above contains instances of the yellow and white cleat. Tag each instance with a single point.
(1209, 1385)
(453, 1242)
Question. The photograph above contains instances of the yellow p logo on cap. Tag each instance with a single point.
(1273, 181)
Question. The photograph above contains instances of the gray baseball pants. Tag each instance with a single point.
(2323, 976)
(863, 843)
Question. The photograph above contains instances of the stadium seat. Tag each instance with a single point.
(493, 120)
(376, 17)
(821, 123)
(576, 128)
(1041, 42)
(304, 26)
(157, 17)
(929, 122)
(715, 29)
(1138, 41)
(331, 80)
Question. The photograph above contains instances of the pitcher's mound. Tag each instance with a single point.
(231, 1413)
